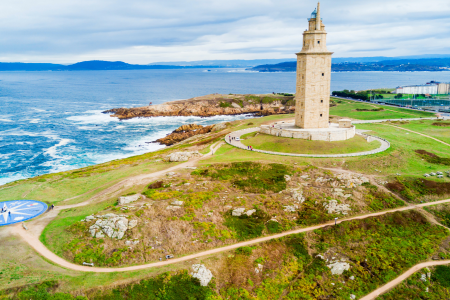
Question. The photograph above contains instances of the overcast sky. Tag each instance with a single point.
(145, 31)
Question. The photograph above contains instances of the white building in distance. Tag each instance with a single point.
(431, 88)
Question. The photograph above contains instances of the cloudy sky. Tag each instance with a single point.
(145, 31)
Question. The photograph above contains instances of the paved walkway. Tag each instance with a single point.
(384, 146)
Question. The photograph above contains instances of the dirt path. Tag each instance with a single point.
(430, 137)
(390, 285)
(32, 238)
(37, 226)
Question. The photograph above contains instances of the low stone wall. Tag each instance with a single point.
(313, 135)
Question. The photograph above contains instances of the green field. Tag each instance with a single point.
(290, 145)
(411, 241)
(348, 108)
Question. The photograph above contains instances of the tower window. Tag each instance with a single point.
(320, 114)
(318, 42)
(321, 101)
(323, 74)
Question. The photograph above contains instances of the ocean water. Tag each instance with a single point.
(52, 121)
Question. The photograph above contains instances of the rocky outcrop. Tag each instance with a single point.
(211, 105)
(202, 274)
(129, 199)
(182, 156)
(184, 132)
(110, 225)
(334, 207)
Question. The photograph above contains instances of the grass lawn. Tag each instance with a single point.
(54, 188)
(290, 145)
(348, 108)
(426, 127)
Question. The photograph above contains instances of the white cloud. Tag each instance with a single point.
(144, 31)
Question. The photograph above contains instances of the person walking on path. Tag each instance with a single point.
(53, 206)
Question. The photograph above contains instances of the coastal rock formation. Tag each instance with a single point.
(184, 132)
(212, 105)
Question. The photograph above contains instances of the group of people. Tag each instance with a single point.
(231, 138)
(5, 209)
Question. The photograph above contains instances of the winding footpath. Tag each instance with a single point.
(237, 143)
(37, 226)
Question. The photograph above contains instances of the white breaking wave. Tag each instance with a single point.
(52, 151)
(93, 117)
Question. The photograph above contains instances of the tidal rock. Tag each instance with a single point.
(202, 274)
(184, 132)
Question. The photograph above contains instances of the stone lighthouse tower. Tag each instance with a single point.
(313, 77)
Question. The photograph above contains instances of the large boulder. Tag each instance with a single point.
(112, 226)
(129, 199)
(202, 274)
(182, 156)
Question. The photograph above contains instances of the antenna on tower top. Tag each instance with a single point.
(318, 25)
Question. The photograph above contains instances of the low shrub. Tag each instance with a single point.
(167, 286)
(433, 158)
(442, 275)
(443, 124)
(247, 251)
(45, 291)
(225, 104)
(247, 227)
(412, 188)
(249, 176)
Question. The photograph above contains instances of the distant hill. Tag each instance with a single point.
(400, 65)
(226, 63)
(429, 62)
(86, 66)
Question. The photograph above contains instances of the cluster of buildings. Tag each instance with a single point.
(431, 88)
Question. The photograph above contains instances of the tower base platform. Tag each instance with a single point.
(289, 130)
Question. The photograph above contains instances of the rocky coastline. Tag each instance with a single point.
(212, 105)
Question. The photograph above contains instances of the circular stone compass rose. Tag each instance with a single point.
(20, 210)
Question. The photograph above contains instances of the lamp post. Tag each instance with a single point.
(335, 221)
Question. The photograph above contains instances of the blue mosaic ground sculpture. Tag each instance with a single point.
(20, 210)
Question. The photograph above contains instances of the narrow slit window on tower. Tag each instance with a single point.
(320, 114)
(323, 74)
(321, 101)
(318, 42)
